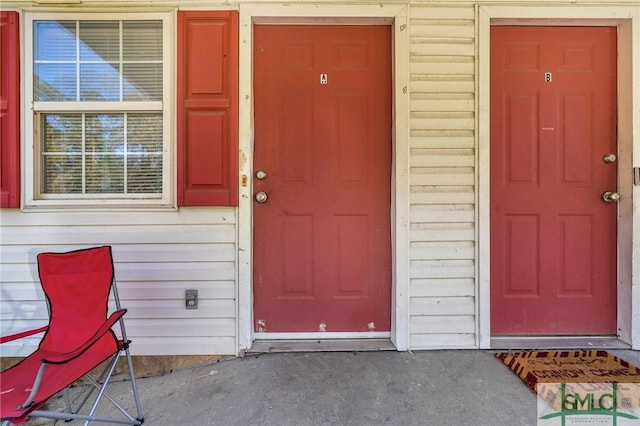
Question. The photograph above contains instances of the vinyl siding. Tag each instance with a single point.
(157, 257)
(442, 176)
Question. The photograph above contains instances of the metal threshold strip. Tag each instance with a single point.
(320, 345)
(557, 342)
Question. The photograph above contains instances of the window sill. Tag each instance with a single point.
(57, 208)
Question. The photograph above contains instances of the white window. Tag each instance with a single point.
(98, 95)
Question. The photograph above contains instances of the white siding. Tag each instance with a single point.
(442, 176)
(157, 255)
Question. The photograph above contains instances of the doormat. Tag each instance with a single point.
(590, 366)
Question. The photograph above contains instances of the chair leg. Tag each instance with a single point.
(112, 367)
(95, 385)
(134, 385)
(67, 400)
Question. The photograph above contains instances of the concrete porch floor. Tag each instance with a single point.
(448, 387)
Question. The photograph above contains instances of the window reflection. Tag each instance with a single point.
(93, 154)
(97, 61)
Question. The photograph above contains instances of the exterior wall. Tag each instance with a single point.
(442, 176)
(159, 254)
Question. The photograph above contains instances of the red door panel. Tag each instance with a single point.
(553, 238)
(322, 245)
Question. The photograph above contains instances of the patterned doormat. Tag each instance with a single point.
(592, 366)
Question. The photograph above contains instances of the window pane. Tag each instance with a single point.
(54, 40)
(144, 161)
(114, 161)
(114, 65)
(62, 133)
(62, 174)
(145, 132)
(62, 154)
(100, 41)
(105, 153)
(144, 174)
(104, 133)
(142, 40)
(143, 82)
(54, 57)
(99, 82)
(105, 174)
(55, 82)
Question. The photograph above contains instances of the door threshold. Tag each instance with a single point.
(320, 345)
(558, 342)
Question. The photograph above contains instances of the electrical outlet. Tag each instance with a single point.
(191, 299)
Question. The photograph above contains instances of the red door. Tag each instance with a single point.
(322, 246)
(553, 237)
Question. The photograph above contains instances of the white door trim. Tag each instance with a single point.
(627, 20)
(395, 15)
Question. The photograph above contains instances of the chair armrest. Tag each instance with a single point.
(68, 356)
(16, 336)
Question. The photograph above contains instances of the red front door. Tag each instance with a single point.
(553, 238)
(322, 245)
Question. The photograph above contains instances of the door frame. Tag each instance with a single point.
(627, 21)
(396, 17)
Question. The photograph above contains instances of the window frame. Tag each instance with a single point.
(32, 110)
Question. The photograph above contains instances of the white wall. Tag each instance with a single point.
(157, 255)
(442, 176)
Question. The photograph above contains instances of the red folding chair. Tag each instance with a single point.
(78, 338)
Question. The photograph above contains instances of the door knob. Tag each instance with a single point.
(261, 197)
(261, 174)
(609, 158)
(610, 196)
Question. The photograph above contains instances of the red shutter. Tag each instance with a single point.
(9, 110)
(208, 108)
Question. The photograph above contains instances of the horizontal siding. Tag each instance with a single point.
(434, 194)
(442, 213)
(443, 341)
(112, 234)
(437, 250)
(157, 256)
(442, 176)
(442, 306)
(442, 231)
(443, 324)
(442, 269)
(178, 346)
(188, 327)
(442, 287)
(450, 157)
(439, 138)
(443, 83)
(138, 252)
